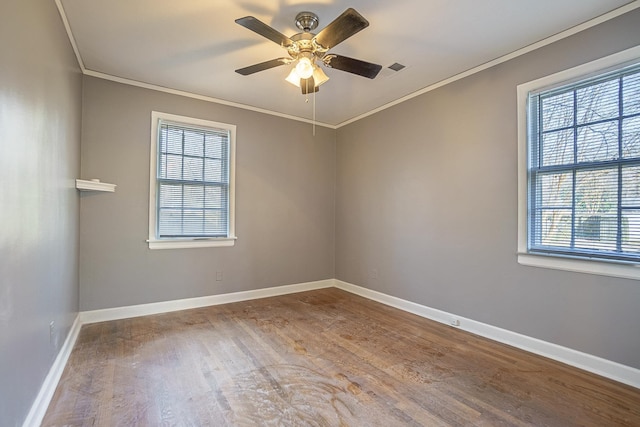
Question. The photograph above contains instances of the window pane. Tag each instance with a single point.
(213, 171)
(162, 166)
(597, 232)
(597, 209)
(174, 167)
(631, 137)
(213, 198)
(631, 186)
(555, 227)
(557, 111)
(193, 222)
(216, 223)
(596, 190)
(193, 143)
(555, 190)
(193, 196)
(193, 169)
(631, 231)
(170, 222)
(597, 102)
(213, 145)
(598, 142)
(173, 143)
(170, 196)
(631, 94)
(162, 139)
(557, 147)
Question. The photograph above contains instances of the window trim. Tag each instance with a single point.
(195, 242)
(581, 264)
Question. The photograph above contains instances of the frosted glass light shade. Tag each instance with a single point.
(319, 76)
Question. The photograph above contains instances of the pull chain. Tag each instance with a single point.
(306, 100)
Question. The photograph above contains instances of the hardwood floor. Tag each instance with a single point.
(320, 358)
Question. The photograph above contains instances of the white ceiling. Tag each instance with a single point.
(194, 46)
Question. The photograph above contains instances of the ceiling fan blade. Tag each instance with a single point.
(257, 26)
(350, 65)
(308, 86)
(263, 66)
(341, 28)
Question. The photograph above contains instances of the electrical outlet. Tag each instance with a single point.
(218, 276)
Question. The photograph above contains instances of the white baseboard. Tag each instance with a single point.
(185, 304)
(606, 368)
(40, 405)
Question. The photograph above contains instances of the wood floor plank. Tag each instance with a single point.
(319, 358)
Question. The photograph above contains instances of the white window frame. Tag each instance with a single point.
(195, 242)
(576, 264)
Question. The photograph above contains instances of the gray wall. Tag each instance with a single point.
(427, 196)
(40, 95)
(285, 179)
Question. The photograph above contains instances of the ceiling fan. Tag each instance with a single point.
(307, 49)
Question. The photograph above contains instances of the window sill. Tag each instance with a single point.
(191, 243)
(602, 268)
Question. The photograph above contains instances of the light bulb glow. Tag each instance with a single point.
(304, 68)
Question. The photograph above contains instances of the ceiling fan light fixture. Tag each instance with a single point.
(319, 77)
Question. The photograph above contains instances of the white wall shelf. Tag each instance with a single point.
(94, 185)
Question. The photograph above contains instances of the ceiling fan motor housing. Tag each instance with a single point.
(307, 21)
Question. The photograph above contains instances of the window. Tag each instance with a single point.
(191, 200)
(580, 168)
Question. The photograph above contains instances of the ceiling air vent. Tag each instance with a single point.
(391, 70)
